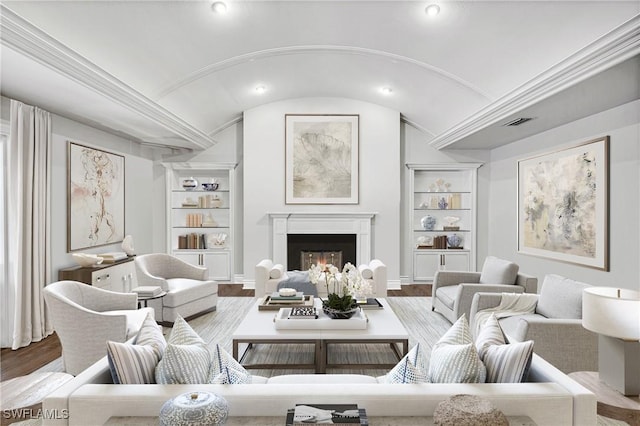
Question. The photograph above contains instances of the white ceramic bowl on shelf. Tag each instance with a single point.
(87, 259)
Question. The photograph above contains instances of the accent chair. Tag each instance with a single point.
(453, 291)
(189, 291)
(85, 317)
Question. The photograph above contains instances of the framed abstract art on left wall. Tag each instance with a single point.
(95, 197)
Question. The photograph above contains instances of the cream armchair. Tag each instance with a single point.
(85, 317)
(453, 290)
(189, 291)
(268, 275)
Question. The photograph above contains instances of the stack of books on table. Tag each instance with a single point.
(113, 257)
(337, 414)
(370, 303)
(147, 291)
(298, 298)
(303, 312)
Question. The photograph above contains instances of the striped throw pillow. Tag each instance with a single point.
(412, 368)
(136, 364)
(505, 363)
(225, 369)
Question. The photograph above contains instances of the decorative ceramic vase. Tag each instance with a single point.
(194, 409)
(339, 314)
(454, 241)
(428, 222)
(189, 184)
(442, 204)
(210, 186)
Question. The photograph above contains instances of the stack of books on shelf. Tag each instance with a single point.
(113, 257)
(191, 241)
(440, 242)
(209, 201)
(337, 414)
(147, 291)
(194, 220)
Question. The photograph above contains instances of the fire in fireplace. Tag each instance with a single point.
(306, 249)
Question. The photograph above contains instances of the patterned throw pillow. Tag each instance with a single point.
(225, 369)
(411, 368)
(186, 358)
(454, 358)
(136, 363)
(505, 363)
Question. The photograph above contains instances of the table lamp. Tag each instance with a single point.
(615, 315)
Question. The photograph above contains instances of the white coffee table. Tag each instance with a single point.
(258, 327)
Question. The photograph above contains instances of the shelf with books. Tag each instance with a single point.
(442, 196)
(200, 221)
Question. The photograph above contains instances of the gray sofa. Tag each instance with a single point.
(555, 326)
(453, 291)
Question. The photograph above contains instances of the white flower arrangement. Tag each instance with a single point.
(349, 282)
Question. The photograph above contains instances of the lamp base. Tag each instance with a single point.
(619, 364)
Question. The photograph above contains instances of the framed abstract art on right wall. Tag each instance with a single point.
(563, 204)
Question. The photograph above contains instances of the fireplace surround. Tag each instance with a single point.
(357, 224)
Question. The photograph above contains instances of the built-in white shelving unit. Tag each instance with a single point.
(440, 191)
(200, 221)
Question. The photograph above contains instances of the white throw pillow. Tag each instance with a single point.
(412, 368)
(505, 363)
(186, 359)
(276, 271)
(454, 358)
(225, 369)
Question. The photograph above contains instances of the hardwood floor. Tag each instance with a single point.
(27, 360)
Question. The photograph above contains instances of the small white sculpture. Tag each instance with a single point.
(451, 220)
(87, 259)
(127, 245)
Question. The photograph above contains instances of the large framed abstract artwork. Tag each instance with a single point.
(95, 193)
(321, 159)
(563, 204)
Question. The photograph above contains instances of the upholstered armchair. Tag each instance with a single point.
(189, 291)
(555, 326)
(85, 317)
(452, 291)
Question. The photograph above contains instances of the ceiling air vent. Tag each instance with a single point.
(517, 121)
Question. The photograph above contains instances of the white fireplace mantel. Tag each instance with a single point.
(283, 224)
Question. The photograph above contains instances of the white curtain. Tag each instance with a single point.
(28, 217)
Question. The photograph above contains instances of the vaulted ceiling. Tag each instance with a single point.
(176, 73)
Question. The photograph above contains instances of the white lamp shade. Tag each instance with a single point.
(612, 312)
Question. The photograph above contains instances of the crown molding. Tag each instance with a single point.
(28, 40)
(613, 48)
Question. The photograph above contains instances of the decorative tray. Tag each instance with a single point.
(282, 321)
(272, 305)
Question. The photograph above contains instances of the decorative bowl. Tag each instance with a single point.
(189, 184)
(338, 314)
(287, 292)
(210, 186)
(87, 259)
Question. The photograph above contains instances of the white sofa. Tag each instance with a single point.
(268, 275)
(550, 398)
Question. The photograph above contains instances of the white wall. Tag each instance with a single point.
(379, 174)
(138, 199)
(622, 125)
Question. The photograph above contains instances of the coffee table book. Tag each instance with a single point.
(370, 303)
(275, 296)
(335, 419)
(266, 304)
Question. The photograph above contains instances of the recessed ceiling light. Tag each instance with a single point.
(260, 90)
(386, 90)
(432, 10)
(219, 7)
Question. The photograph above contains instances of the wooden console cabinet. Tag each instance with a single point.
(119, 276)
